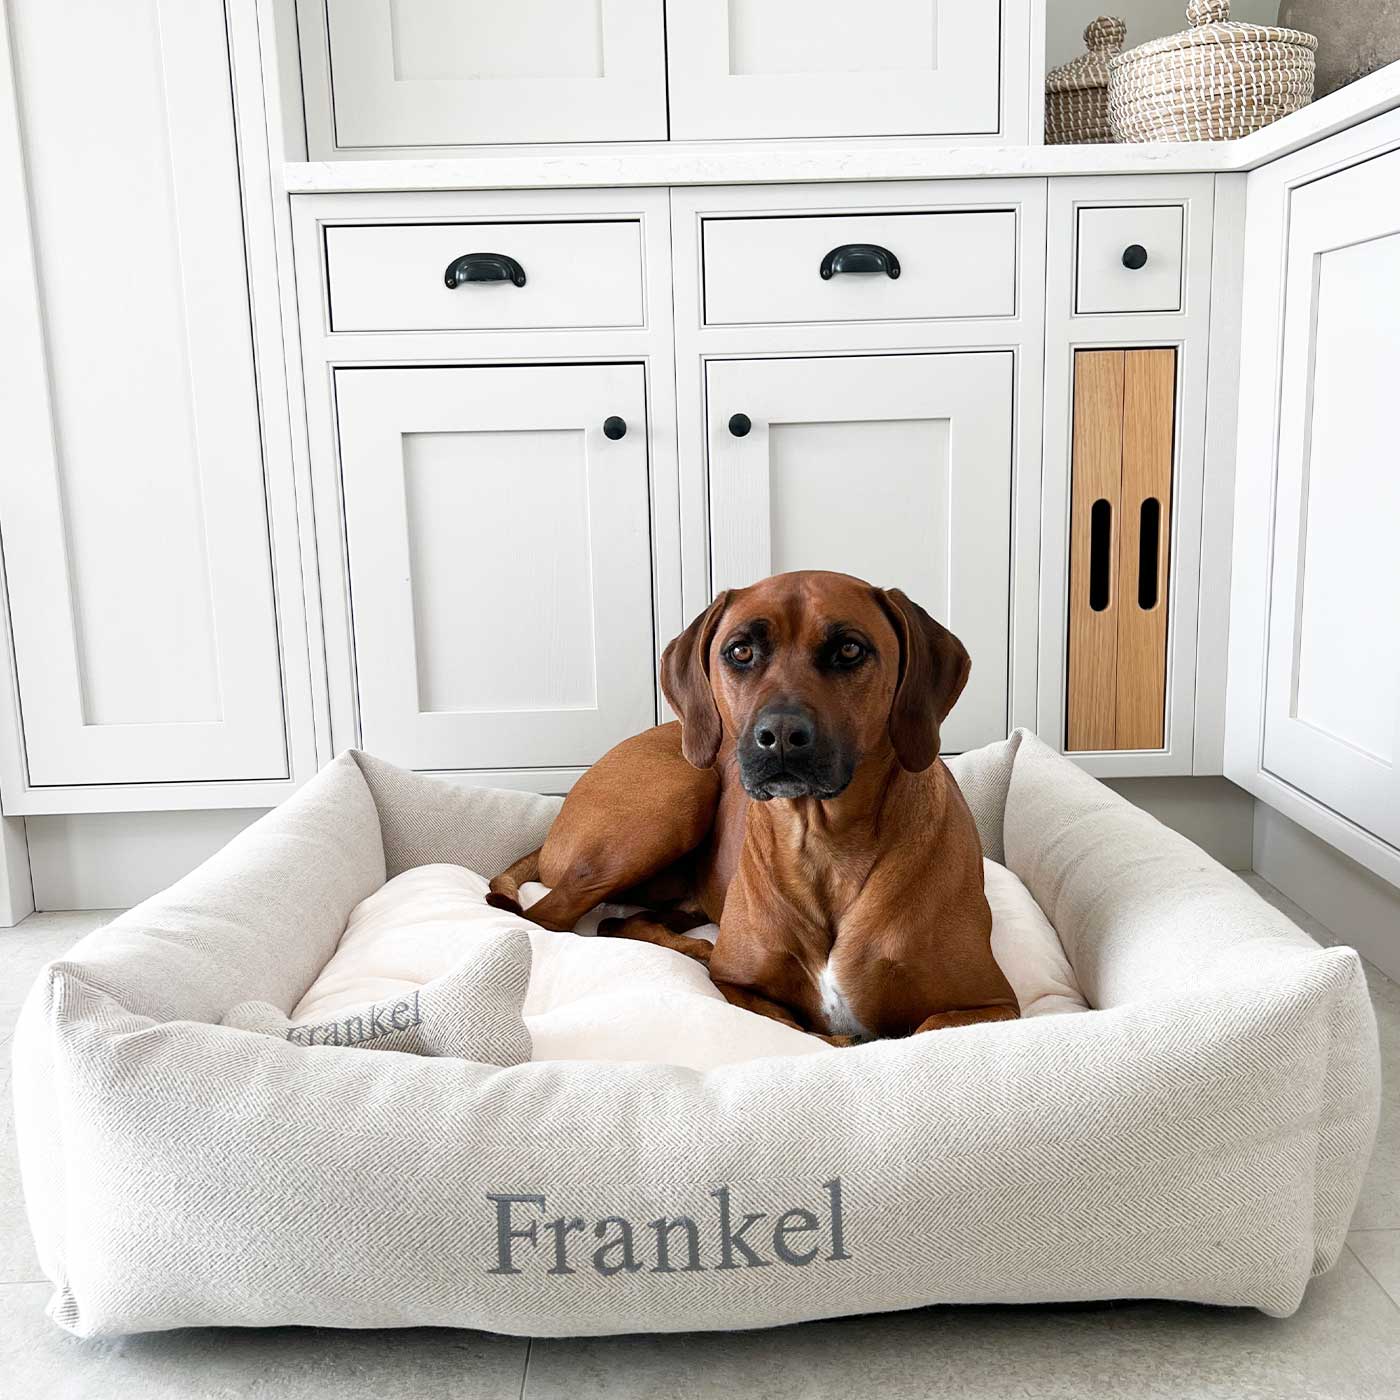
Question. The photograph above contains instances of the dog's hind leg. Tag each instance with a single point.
(505, 888)
(667, 929)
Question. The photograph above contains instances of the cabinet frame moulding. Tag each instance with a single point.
(324, 352)
(259, 171)
(1021, 333)
(1187, 331)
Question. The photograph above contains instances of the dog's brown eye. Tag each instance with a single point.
(850, 652)
(741, 653)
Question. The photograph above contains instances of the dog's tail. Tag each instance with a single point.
(505, 888)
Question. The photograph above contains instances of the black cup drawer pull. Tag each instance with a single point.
(483, 267)
(859, 257)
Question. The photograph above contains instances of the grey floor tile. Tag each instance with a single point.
(1343, 1344)
(1284, 905)
(280, 1363)
(1379, 1252)
(18, 1263)
(1379, 1205)
(40, 939)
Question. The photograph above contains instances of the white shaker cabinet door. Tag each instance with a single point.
(760, 68)
(467, 72)
(894, 468)
(1332, 688)
(132, 497)
(500, 562)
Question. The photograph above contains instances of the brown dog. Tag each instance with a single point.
(801, 804)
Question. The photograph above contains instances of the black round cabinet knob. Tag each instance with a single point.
(614, 427)
(739, 425)
(1134, 256)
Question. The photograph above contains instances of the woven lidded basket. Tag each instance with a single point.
(1076, 94)
(1214, 82)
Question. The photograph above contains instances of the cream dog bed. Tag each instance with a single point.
(1201, 1134)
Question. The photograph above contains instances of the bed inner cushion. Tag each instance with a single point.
(614, 999)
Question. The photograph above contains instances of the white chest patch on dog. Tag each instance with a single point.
(840, 1019)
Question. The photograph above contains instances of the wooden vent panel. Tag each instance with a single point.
(1120, 532)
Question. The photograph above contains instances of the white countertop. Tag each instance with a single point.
(659, 163)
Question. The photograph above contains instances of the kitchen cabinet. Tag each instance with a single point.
(894, 468)
(762, 68)
(1120, 535)
(1315, 664)
(385, 77)
(153, 588)
(379, 74)
(499, 561)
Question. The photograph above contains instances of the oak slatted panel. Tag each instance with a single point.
(1096, 474)
(1149, 397)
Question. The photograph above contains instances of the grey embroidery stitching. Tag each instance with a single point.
(721, 1238)
(385, 1018)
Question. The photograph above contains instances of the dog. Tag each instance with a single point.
(799, 803)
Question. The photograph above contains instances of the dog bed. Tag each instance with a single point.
(1200, 1134)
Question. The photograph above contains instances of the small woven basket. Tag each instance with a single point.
(1076, 94)
(1216, 81)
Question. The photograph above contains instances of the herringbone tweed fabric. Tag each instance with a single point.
(1200, 1136)
(474, 1012)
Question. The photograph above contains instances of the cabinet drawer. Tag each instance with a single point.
(776, 270)
(392, 277)
(1128, 259)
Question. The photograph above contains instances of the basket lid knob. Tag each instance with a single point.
(1105, 34)
(1199, 12)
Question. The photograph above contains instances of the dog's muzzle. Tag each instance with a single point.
(785, 754)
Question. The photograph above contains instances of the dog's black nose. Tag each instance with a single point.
(781, 732)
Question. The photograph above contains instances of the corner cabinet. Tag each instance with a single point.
(147, 507)
(1314, 692)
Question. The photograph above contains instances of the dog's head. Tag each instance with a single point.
(809, 674)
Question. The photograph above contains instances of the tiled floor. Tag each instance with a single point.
(1343, 1344)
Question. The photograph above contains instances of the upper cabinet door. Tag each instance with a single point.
(894, 468)
(500, 562)
(132, 500)
(1332, 689)
(832, 68)
(467, 72)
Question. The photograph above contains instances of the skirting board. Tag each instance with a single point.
(112, 860)
(16, 890)
(1212, 812)
(1359, 907)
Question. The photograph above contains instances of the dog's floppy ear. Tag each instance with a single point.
(933, 668)
(685, 681)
